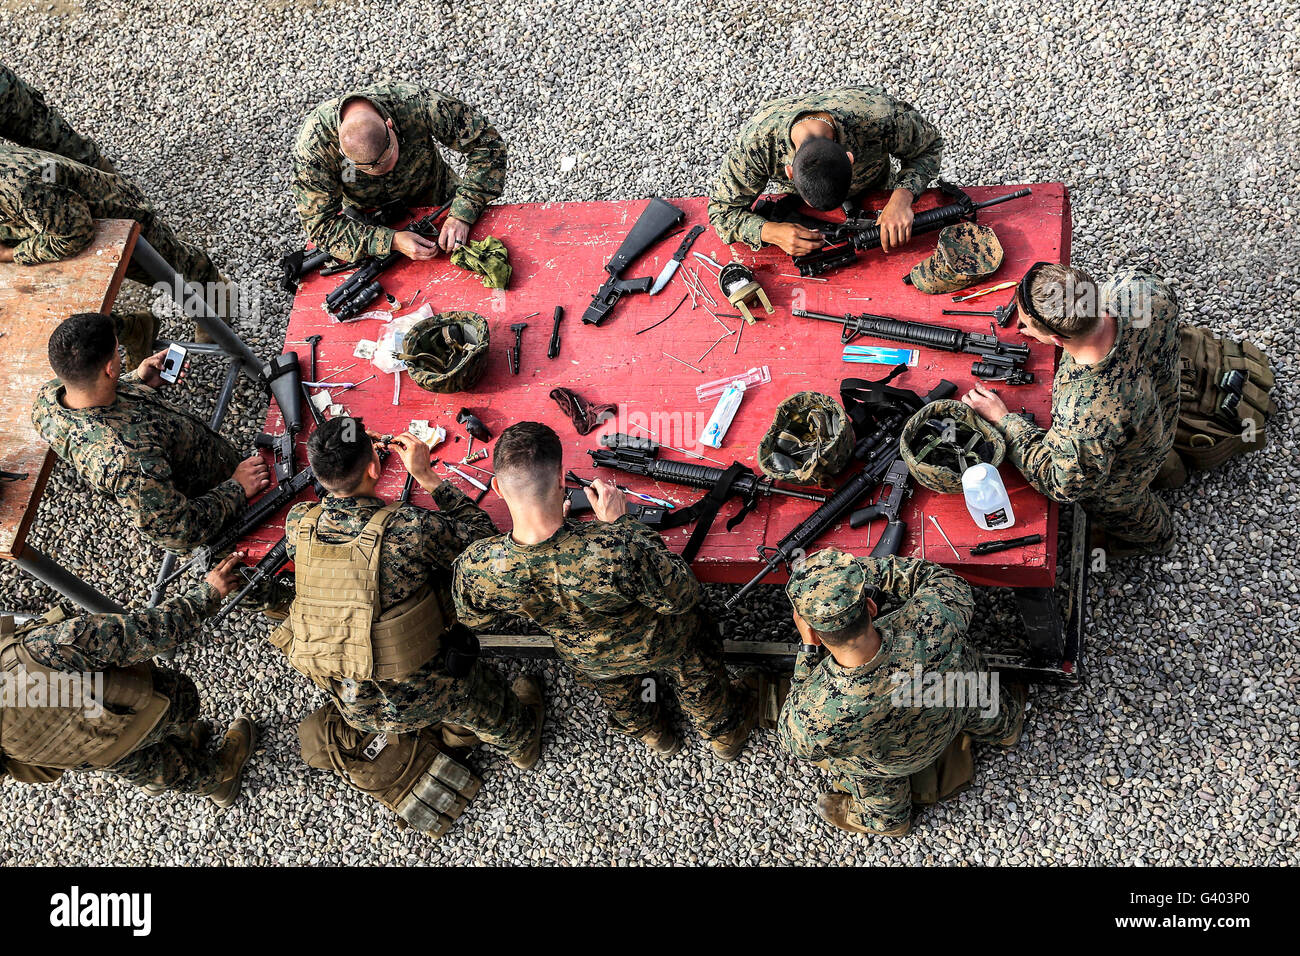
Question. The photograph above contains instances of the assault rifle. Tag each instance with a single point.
(655, 220)
(879, 453)
(683, 473)
(858, 234)
(349, 299)
(271, 562)
(998, 361)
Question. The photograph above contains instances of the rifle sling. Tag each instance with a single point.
(706, 509)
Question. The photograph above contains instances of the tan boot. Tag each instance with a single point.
(529, 691)
(1020, 692)
(234, 753)
(834, 808)
(662, 741)
(727, 747)
(136, 332)
(1172, 473)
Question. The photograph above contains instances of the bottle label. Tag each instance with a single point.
(995, 518)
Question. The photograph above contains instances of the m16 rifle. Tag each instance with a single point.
(998, 361)
(645, 463)
(879, 452)
(858, 234)
(271, 562)
(350, 299)
(655, 220)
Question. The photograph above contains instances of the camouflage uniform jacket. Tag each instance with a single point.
(418, 549)
(611, 596)
(871, 125)
(323, 180)
(49, 203)
(95, 642)
(27, 120)
(847, 716)
(1113, 421)
(162, 464)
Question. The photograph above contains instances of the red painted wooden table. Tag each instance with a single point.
(558, 251)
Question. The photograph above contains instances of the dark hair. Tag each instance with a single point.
(822, 172)
(528, 454)
(80, 346)
(339, 452)
(846, 634)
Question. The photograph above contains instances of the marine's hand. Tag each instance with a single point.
(455, 232)
(607, 502)
(225, 576)
(895, 221)
(150, 370)
(253, 476)
(986, 403)
(415, 247)
(795, 239)
(6, 253)
(415, 458)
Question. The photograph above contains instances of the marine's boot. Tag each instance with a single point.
(529, 691)
(1019, 692)
(459, 738)
(195, 736)
(1172, 473)
(136, 332)
(234, 753)
(834, 808)
(662, 741)
(1118, 548)
(727, 747)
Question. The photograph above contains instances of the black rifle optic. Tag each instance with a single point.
(682, 473)
(350, 298)
(858, 234)
(879, 452)
(655, 220)
(998, 361)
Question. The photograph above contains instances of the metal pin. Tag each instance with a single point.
(339, 372)
(703, 258)
(530, 315)
(712, 347)
(736, 350)
(786, 275)
(690, 454)
(687, 364)
(721, 323)
(355, 384)
(945, 537)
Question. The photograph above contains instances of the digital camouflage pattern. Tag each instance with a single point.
(847, 718)
(1113, 422)
(164, 466)
(49, 204)
(871, 125)
(812, 421)
(618, 605)
(168, 758)
(965, 253)
(418, 549)
(26, 119)
(422, 118)
(931, 454)
(437, 361)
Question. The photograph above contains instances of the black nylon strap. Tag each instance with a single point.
(706, 509)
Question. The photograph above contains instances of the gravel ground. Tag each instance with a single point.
(1175, 129)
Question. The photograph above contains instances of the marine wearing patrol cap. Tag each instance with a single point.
(447, 352)
(829, 589)
(966, 252)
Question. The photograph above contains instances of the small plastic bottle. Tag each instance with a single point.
(986, 498)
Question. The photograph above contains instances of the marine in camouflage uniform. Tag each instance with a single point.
(324, 180)
(418, 549)
(869, 123)
(26, 119)
(846, 718)
(172, 756)
(1113, 422)
(164, 466)
(618, 606)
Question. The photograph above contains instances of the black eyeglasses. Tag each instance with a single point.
(392, 139)
(1026, 302)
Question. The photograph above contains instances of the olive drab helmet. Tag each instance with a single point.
(945, 438)
(810, 440)
(447, 352)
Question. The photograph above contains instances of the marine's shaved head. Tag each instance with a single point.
(363, 132)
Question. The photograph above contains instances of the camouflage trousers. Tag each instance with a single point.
(481, 702)
(1139, 516)
(697, 674)
(884, 803)
(167, 758)
(27, 119)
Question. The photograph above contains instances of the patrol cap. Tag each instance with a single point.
(828, 589)
(965, 253)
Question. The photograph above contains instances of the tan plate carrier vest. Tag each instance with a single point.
(409, 773)
(37, 740)
(335, 628)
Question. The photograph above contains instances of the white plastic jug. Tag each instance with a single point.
(986, 497)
